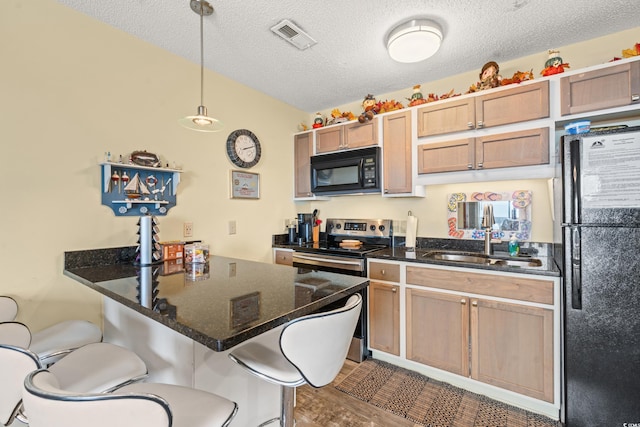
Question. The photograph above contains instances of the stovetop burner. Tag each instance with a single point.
(373, 234)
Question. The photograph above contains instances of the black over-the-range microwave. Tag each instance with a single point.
(346, 172)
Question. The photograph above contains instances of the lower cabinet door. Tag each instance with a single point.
(438, 330)
(384, 317)
(512, 347)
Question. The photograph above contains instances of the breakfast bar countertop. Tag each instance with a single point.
(218, 304)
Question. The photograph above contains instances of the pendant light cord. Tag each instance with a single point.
(201, 53)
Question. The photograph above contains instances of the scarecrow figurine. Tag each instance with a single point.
(554, 64)
(489, 76)
(318, 122)
(416, 97)
(370, 107)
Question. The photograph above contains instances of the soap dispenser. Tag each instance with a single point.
(514, 245)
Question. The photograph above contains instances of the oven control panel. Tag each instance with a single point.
(360, 227)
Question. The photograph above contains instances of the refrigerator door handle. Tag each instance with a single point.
(576, 270)
(575, 181)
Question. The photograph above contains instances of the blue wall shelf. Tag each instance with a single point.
(155, 194)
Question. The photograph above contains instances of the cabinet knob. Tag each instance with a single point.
(480, 165)
(470, 125)
(635, 97)
(386, 190)
(463, 301)
(394, 290)
(480, 123)
(382, 272)
(470, 166)
(474, 303)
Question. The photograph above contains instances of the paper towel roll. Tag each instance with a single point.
(412, 228)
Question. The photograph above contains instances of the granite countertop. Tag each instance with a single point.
(548, 267)
(541, 251)
(219, 304)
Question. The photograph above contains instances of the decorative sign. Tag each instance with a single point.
(245, 185)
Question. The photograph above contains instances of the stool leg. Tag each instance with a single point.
(287, 400)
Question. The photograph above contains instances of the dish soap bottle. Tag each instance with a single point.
(514, 245)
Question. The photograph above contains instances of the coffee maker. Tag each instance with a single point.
(305, 227)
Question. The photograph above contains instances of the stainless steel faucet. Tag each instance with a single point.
(487, 223)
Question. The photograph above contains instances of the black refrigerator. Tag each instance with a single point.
(601, 276)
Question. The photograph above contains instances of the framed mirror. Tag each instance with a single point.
(511, 211)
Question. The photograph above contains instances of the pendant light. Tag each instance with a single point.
(201, 122)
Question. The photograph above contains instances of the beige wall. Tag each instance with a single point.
(73, 88)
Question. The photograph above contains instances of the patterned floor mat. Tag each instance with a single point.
(432, 403)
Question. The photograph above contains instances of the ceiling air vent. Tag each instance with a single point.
(293, 34)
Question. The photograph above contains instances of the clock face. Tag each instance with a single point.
(243, 148)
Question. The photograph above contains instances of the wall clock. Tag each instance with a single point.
(243, 148)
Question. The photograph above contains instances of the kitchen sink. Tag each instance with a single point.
(480, 258)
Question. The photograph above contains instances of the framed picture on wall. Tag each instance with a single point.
(245, 185)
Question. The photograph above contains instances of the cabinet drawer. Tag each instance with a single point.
(511, 287)
(595, 90)
(384, 271)
(284, 257)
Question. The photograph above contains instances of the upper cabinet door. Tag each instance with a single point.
(523, 148)
(517, 104)
(396, 137)
(329, 139)
(446, 117)
(609, 87)
(302, 149)
(357, 135)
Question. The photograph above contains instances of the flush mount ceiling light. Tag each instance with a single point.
(201, 122)
(414, 41)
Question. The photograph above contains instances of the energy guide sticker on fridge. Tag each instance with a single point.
(611, 171)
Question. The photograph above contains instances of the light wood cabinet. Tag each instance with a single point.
(396, 139)
(347, 136)
(516, 104)
(384, 317)
(302, 149)
(283, 257)
(329, 139)
(384, 271)
(510, 344)
(438, 330)
(451, 116)
(609, 87)
(511, 149)
(512, 347)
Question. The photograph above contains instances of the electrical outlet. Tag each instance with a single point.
(232, 227)
(188, 229)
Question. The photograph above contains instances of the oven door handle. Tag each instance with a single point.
(333, 260)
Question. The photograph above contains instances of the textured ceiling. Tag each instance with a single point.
(350, 59)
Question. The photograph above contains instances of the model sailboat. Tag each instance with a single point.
(136, 188)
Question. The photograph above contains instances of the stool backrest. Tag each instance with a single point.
(15, 333)
(15, 364)
(317, 344)
(46, 405)
(8, 309)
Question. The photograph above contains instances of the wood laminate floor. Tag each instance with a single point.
(329, 407)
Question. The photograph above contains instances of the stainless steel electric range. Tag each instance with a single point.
(347, 243)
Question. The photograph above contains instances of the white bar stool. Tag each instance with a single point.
(8, 309)
(54, 342)
(94, 368)
(137, 405)
(311, 350)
